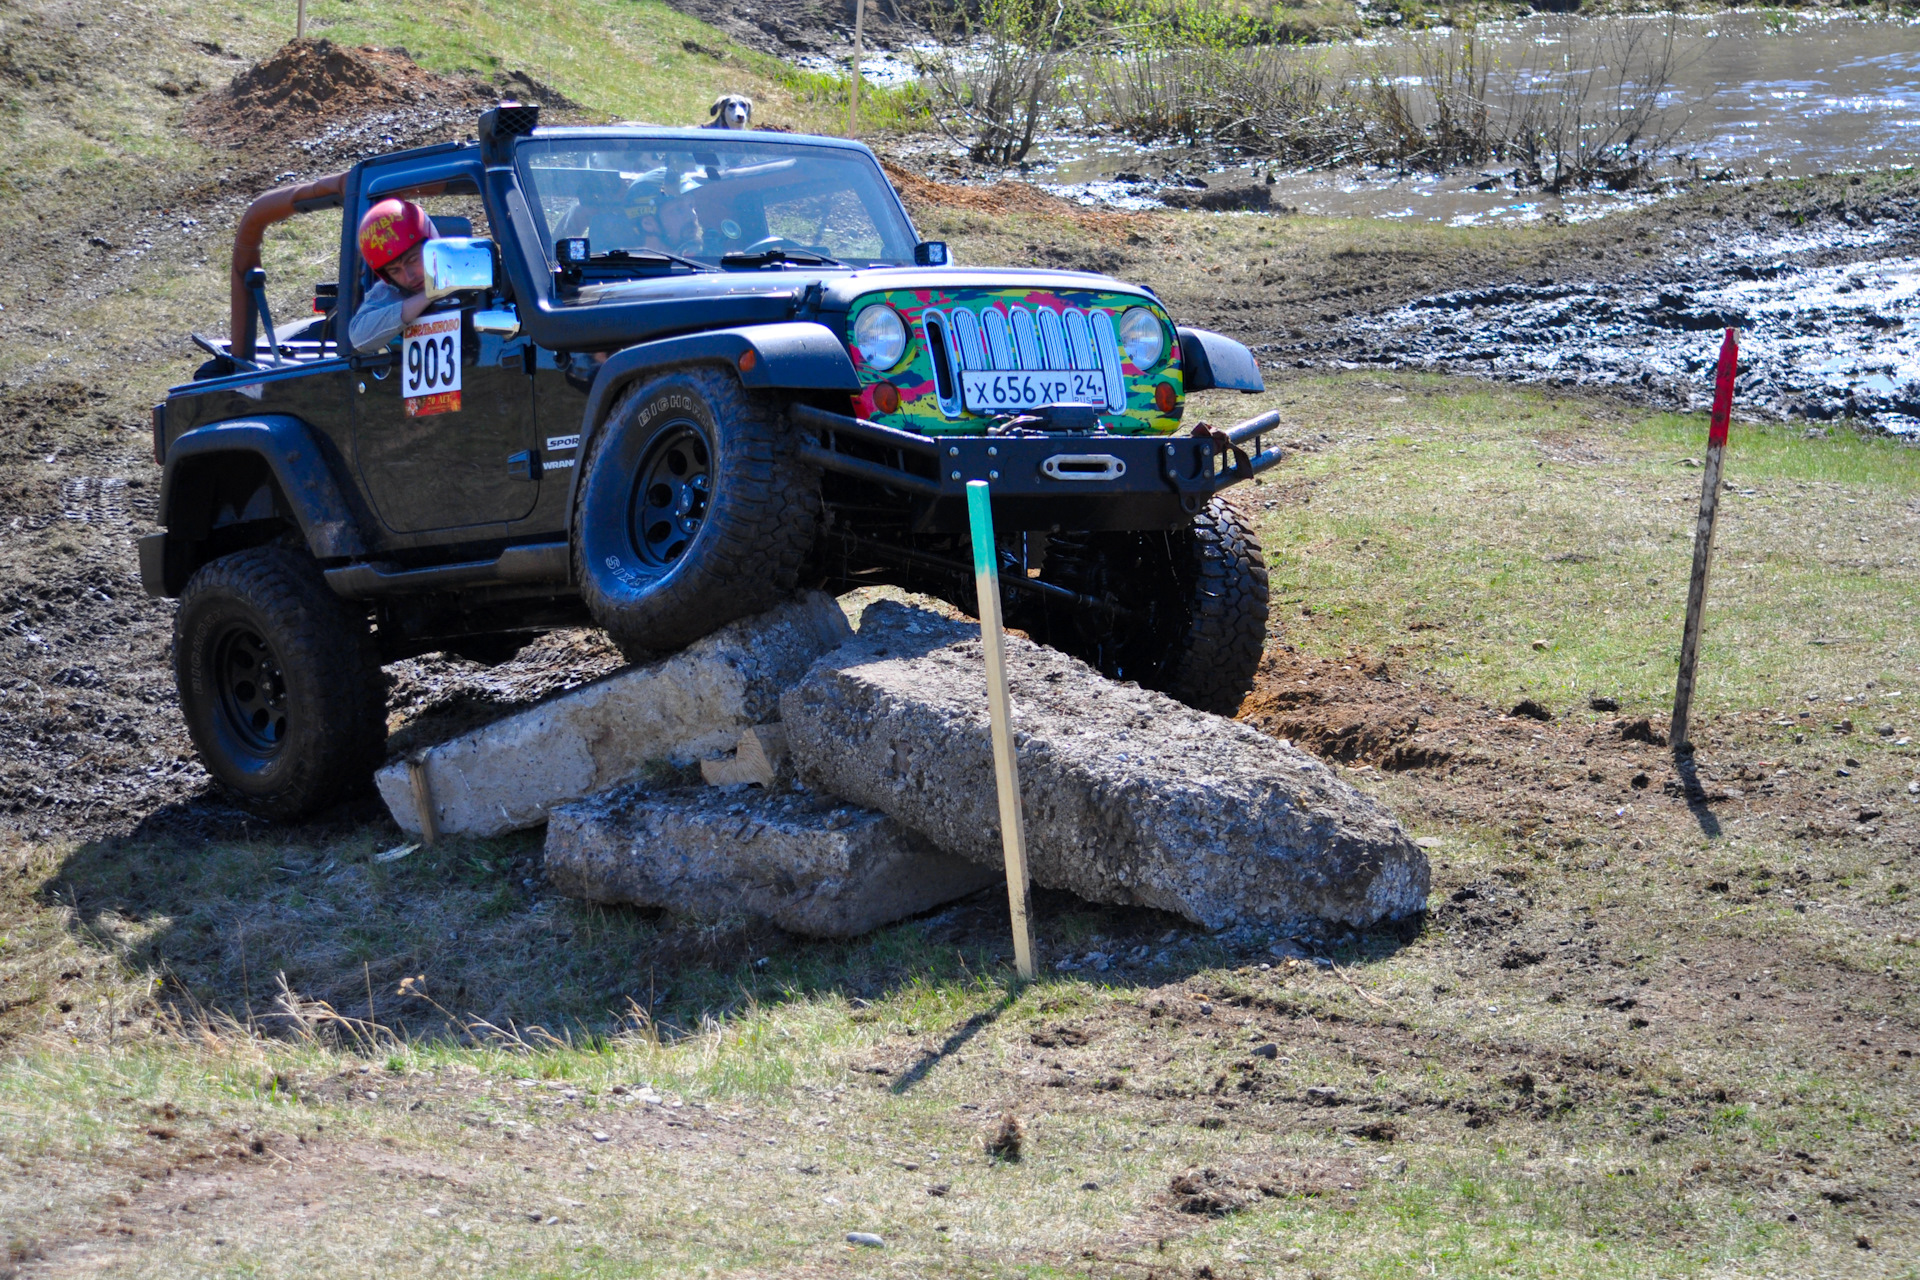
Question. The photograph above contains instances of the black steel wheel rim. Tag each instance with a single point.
(252, 689)
(672, 489)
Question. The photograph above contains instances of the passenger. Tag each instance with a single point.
(391, 237)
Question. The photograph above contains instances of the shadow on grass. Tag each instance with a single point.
(1695, 795)
(464, 942)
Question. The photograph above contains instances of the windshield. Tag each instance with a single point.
(707, 200)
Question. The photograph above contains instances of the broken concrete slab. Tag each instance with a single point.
(1130, 796)
(805, 862)
(510, 774)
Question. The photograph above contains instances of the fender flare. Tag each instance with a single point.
(293, 457)
(1209, 360)
(798, 355)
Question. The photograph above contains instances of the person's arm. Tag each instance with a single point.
(379, 318)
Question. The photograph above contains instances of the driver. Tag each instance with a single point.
(391, 236)
(664, 216)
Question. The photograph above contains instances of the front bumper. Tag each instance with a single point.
(1042, 480)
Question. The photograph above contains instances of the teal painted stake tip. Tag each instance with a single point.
(980, 516)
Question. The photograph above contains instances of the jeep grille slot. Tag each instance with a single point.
(944, 386)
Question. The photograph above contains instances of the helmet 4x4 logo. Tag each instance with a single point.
(430, 366)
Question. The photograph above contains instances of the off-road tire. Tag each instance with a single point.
(1196, 600)
(279, 682)
(650, 583)
(1212, 665)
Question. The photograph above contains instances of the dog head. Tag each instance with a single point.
(730, 112)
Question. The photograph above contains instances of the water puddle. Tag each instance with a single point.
(1749, 94)
(1817, 342)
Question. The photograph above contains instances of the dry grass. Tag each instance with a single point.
(1592, 1061)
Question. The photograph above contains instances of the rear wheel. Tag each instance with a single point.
(691, 511)
(1187, 609)
(279, 682)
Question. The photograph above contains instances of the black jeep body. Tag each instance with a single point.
(664, 439)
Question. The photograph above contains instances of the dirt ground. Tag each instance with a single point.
(91, 743)
(1594, 970)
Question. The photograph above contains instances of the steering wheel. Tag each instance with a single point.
(774, 242)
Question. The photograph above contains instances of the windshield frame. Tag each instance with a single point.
(886, 206)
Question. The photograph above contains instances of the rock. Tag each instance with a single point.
(1269, 1051)
(866, 1238)
(509, 774)
(1599, 703)
(1130, 797)
(760, 758)
(799, 860)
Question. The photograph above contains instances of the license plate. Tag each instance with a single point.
(1032, 388)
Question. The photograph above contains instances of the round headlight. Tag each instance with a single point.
(881, 335)
(1142, 336)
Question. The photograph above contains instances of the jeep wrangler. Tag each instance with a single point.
(589, 425)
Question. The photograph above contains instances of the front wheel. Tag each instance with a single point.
(691, 511)
(1186, 610)
(279, 682)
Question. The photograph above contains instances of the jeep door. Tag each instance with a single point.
(455, 454)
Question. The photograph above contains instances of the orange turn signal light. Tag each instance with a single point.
(886, 397)
(747, 360)
(1164, 399)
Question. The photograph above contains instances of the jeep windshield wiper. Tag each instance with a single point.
(772, 257)
(644, 258)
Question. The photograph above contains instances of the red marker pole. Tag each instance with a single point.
(1703, 539)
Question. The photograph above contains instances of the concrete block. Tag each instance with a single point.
(1130, 796)
(510, 774)
(809, 864)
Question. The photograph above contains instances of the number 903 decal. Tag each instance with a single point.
(430, 366)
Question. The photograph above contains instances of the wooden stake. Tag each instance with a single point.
(1006, 767)
(853, 103)
(300, 22)
(423, 805)
(1703, 540)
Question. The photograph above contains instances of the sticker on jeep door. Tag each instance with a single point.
(430, 366)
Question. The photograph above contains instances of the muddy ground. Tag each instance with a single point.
(90, 738)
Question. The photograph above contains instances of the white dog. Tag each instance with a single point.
(730, 112)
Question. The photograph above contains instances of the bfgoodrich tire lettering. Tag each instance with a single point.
(279, 682)
(691, 511)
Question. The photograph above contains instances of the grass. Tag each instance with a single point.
(147, 971)
(144, 1050)
(1513, 544)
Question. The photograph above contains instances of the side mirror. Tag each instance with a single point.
(930, 253)
(456, 264)
(504, 321)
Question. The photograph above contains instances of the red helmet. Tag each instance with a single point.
(390, 229)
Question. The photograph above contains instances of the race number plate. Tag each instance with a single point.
(430, 366)
(1032, 388)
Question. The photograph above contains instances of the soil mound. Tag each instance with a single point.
(310, 88)
(1004, 197)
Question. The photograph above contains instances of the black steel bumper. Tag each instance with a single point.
(1043, 480)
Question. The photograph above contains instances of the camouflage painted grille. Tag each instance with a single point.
(1031, 339)
(958, 335)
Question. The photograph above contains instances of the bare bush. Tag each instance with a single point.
(996, 78)
(1588, 110)
(1596, 114)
